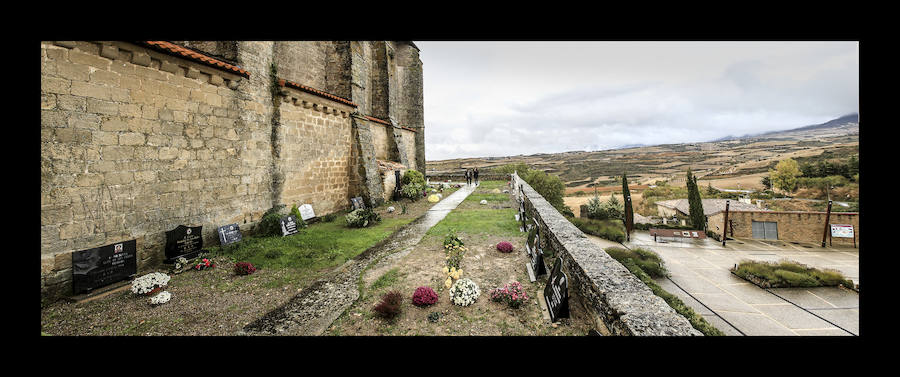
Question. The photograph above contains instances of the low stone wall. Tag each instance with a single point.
(619, 302)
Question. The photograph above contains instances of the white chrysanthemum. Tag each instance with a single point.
(161, 298)
(464, 292)
(149, 282)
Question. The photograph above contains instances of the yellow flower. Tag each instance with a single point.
(452, 269)
(448, 283)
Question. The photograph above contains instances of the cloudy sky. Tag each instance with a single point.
(507, 98)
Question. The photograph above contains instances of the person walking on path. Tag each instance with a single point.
(476, 176)
(468, 177)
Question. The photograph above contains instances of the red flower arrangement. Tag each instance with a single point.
(504, 247)
(424, 296)
(513, 294)
(244, 268)
(204, 264)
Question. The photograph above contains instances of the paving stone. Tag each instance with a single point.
(720, 324)
(802, 298)
(752, 294)
(842, 298)
(756, 324)
(847, 319)
(792, 317)
(724, 302)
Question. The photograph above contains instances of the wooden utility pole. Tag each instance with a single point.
(725, 224)
(827, 217)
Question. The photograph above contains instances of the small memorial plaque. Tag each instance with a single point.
(183, 241)
(537, 258)
(556, 293)
(306, 212)
(358, 203)
(104, 265)
(229, 234)
(288, 225)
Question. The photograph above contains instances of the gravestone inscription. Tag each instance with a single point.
(556, 293)
(288, 225)
(306, 212)
(104, 265)
(229, 234)
(183, 241)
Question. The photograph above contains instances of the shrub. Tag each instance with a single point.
(610, 209)
(244, 268)
(612, 230)
(424, 296)
(464, 292)
(270, 225)
(504, 247)
(789, 274)
(329, 217)
(412, 191)
(413, 176)
(362, 218)
(296, 212)
(646, 260)
(513, 294)
(389, 306)
(452, 239)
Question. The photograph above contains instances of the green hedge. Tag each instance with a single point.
(647, 260)
(612, 230)
(787, 274)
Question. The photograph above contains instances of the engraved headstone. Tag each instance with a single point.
(104, 265)
(537, 254)
(306, 212)
(288, 225)
(556, 293)
(183, 241)
(229, 234)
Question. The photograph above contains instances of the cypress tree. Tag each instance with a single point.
(629, 214)
(698, 220)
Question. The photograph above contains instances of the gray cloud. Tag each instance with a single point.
(499, 99)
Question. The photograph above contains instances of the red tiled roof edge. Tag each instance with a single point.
(304, 88)
(183, 52)
(386, 123)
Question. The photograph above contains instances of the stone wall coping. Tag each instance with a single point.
(308, 100)
(191, 67)
(190, 54)
(626, 304)
(301, 87)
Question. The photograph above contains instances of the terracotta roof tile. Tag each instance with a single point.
(384, 122)
(189, 54)
(286, 83)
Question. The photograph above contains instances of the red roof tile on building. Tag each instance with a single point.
(286, 83)
(189, 54)
(384, 122)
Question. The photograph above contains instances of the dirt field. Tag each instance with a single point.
(747, 182)
(575, 202)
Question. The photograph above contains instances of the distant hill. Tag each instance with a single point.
(838, 123)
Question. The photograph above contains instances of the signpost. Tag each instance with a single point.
(725, 224)
(229, 234)
(827, 217)
(556, 293)
(102, 266)
(842, 231)
(183, 242)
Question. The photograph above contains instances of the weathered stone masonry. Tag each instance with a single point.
(618, 301)
(137, 139)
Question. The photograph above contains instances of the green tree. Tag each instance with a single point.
(766, 182)
(549, 186)
(629, 211)
(695, 203)
(785, 175)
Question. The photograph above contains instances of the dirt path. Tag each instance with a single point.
(311, 311)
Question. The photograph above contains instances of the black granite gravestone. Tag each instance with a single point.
(522, 216)
(537, 255)
(556, 293)
(184, 242)
(229, 234)
(104, 265)
(288, 225)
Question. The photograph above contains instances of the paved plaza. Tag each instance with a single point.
(701, 278)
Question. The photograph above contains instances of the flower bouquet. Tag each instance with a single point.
(513, 294)
(161, 298)
(149, 283)
(464, 292)
(424, 296)
(204, 264)
(504, 247)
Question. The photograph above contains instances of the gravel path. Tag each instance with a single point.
(312, 310)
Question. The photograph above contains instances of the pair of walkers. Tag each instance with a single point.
(472, 175)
